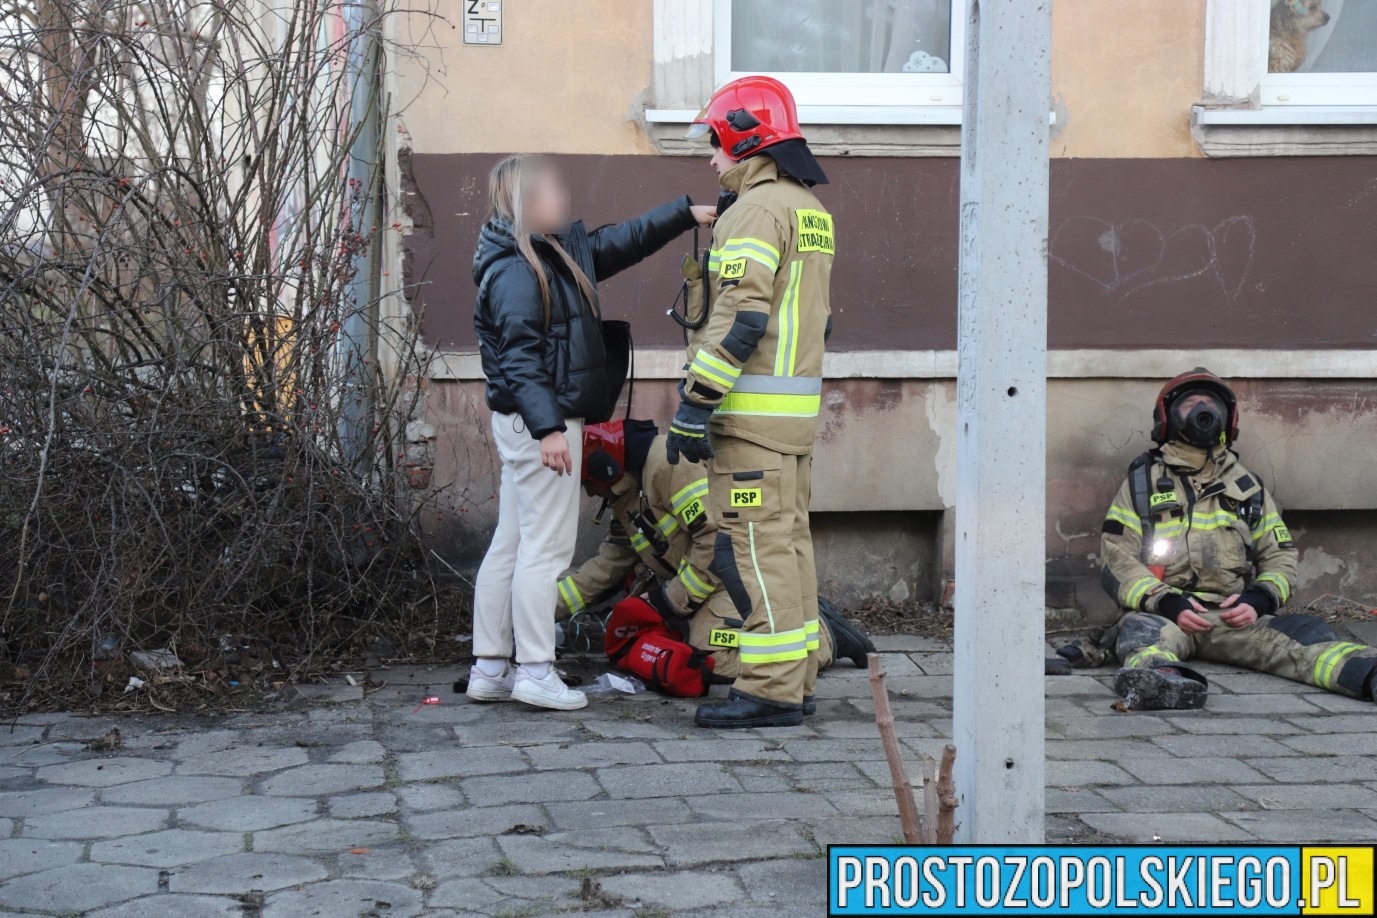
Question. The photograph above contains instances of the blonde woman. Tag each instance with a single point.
(540, 337)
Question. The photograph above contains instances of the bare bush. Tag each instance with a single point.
(203, 391)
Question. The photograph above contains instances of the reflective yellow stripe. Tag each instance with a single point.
(1270, 521)
(692, 582)
(1129, 520)
(777, 406)
(755, 564)
(1138, 590)
(811, 629)
(1281, 583)
(773, 648)
(746, 247)
(667, 524)
(715, 369)
(639, 542)
(1152, 652)
(1328, 662)
(688, 494)
(786, 355)
(573, 599)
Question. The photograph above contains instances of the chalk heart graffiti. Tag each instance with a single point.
(1124, 258)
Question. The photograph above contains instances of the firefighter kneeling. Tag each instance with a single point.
(1195, 550)
(662, 535)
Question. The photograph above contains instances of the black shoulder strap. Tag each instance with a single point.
(1140, 486)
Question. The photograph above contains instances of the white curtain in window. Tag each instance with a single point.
(1348, 43)
(841, 36)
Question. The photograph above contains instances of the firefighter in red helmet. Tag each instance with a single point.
(1195, 551)
(750, 399)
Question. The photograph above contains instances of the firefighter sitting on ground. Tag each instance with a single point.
(662, 533)
(1195, 549)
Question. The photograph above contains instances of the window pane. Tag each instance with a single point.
(1323, 36)
(842, 36)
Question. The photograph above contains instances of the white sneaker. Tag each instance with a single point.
(491, 688)
(550, 692)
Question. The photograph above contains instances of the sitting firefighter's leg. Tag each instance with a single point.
(752, 496)
(716, 628)
(1302, 648)
(1152, 650)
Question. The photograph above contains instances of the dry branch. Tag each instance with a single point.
(898, 770)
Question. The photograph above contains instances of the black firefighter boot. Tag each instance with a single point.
(848, 641)
(739, 711)
(1163, 688)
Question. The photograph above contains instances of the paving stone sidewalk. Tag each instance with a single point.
(345, 806)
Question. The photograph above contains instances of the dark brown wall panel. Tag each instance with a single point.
(1278, 253)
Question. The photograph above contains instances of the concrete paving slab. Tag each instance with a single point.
(345, 897)
(684, 890)
(1307, 826)
(249, 814)
(171, 848)
(320, 780)
(175, 905)
(103, 772)
(236, 874)
(1166, 828)
(22, 804)
(96, 822)
(19, 856)
(78, 888)
(178, 790)
(322, 836)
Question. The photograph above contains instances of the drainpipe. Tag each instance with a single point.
(358, 338)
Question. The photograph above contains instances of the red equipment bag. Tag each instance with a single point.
(639, 641)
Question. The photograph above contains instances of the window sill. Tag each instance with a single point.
(1286, 130)
(877, 130)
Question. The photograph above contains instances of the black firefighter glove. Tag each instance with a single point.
(688, 434)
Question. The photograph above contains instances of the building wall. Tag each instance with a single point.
(1159, 260)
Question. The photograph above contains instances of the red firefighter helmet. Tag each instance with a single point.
(1199, 378)
(604, 457)
(748, 115)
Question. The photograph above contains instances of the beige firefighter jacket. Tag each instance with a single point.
(662, 522)
(758, 361)
(1207, 534)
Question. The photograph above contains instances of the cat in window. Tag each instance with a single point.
(1292, 23)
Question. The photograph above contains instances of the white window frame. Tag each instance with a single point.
(1236, 39)
(877, 90)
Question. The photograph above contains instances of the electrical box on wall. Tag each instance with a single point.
(482, 22)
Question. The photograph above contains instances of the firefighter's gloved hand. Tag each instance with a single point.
(688, 434)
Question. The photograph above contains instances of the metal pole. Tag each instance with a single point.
(358, 335)
(1001, 424)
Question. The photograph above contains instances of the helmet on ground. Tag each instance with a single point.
(612, 451)
(1207, 424)
(604, 457)
(749, 114)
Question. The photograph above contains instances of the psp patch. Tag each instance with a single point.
(1283, 535)
(734, 270)
(747, 497)
(815, 232)
(692, 511)
(1163, 497)
(723, 637)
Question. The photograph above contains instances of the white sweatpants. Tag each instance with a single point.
(537, 525)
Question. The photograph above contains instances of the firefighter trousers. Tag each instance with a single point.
(764, 558)
(1297, 647)
(716, 628)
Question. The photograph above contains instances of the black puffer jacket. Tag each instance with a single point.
(547, 375)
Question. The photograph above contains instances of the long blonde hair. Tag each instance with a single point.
(508, 184)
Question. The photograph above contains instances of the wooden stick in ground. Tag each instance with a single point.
(946, 794)
(898, 771)
(929, 800)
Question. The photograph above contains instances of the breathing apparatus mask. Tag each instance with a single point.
(1198, 417)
